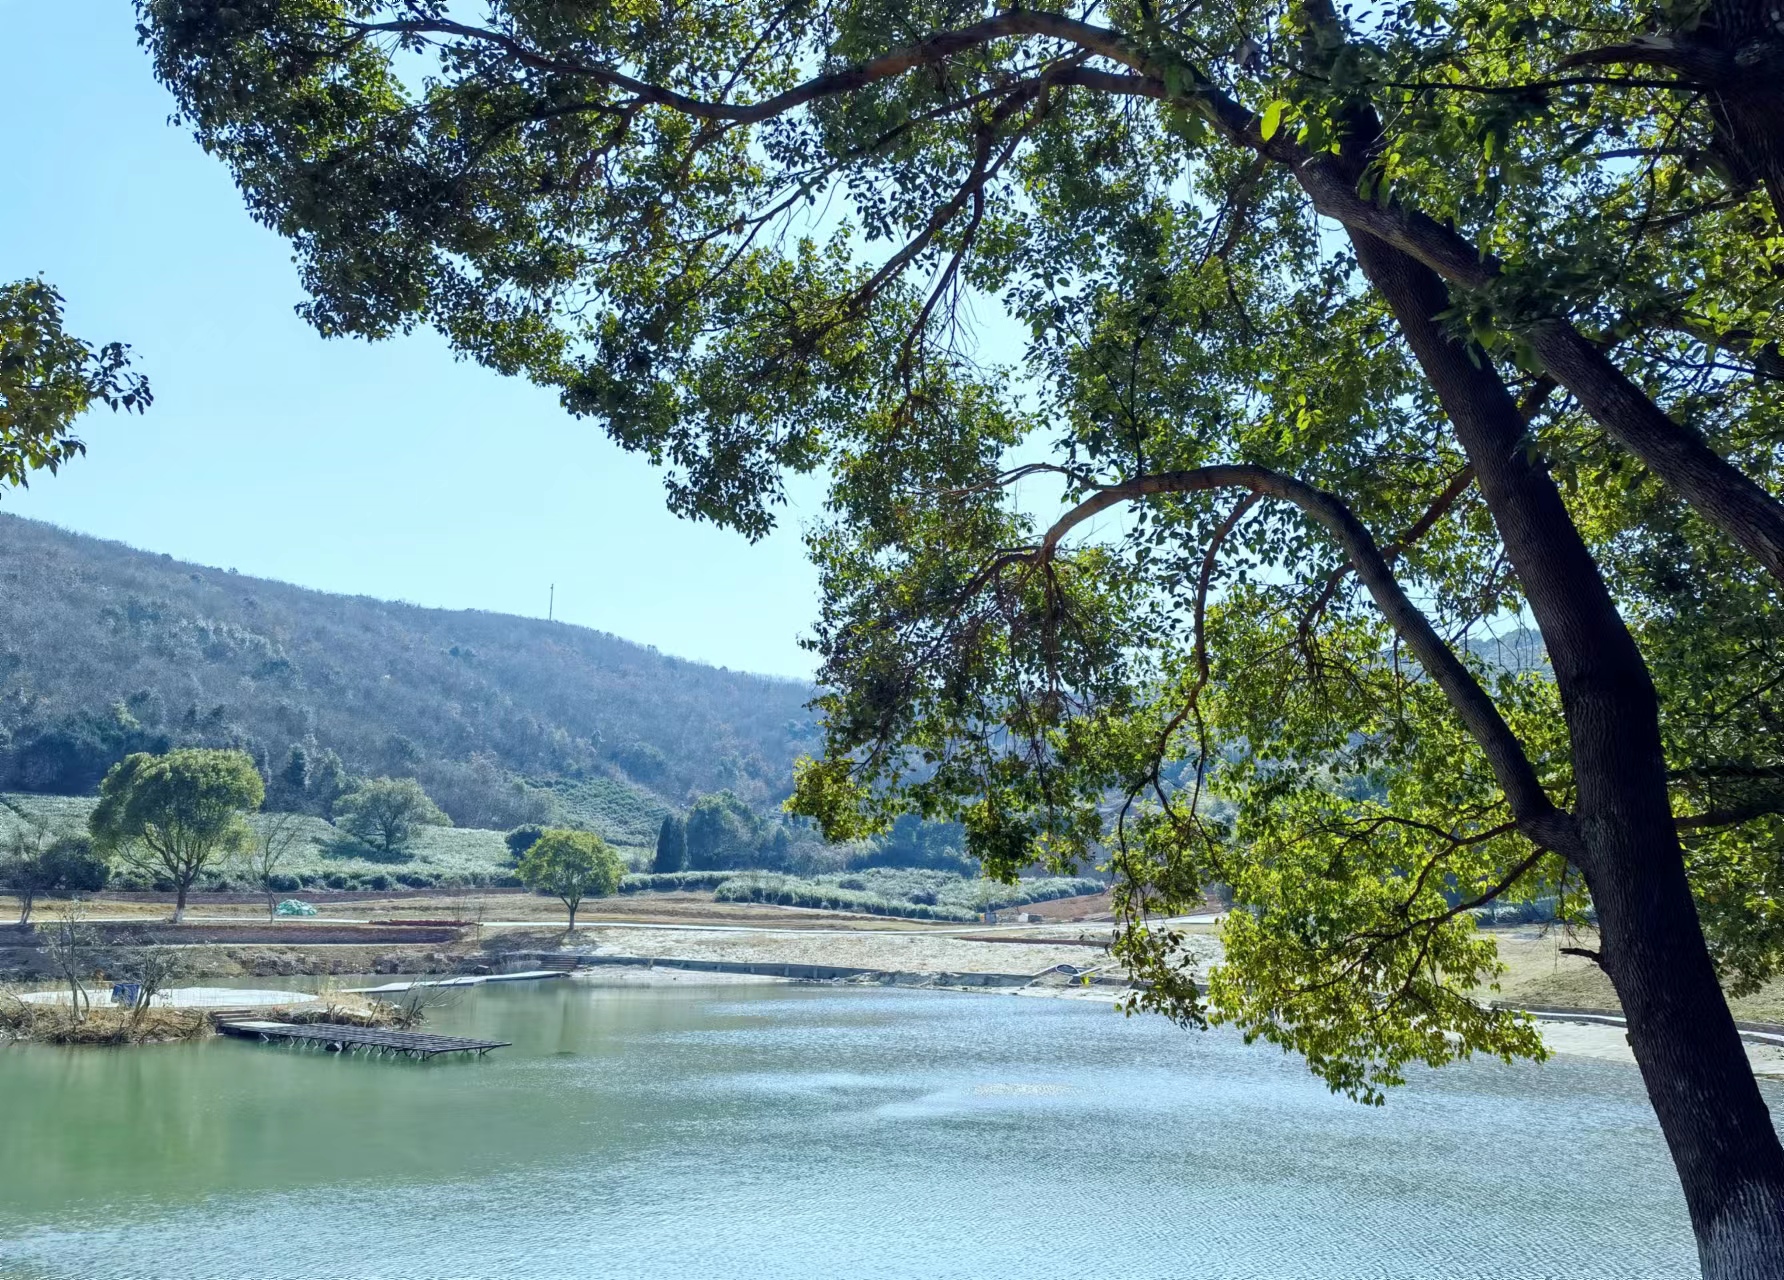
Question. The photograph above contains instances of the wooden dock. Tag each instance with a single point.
(342, 1039)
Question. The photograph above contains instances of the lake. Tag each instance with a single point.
(768, 1132)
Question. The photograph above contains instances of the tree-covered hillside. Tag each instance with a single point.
(105, 649)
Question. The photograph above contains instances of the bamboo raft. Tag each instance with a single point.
(372, 1040)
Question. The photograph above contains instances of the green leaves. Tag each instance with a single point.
(571, 866)
(48, 378)
(1188, 689)
(1271, 121)
(172, 816)
(385, 812)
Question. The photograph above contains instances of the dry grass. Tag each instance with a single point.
(102, 1024)
(344, 1011)
(1539, 976)
(106, 1024)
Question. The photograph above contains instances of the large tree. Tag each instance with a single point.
(1361, 332)
(387, 813)
(175, 816)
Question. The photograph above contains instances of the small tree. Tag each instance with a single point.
(571, 865)
(22, 869)
(672, 846)
(35, 864)
(289, 787)
(152, 969)
(173, 816)
(73, 865)
(327, 783)
(274, 837)
(69, 945)
(385, 812)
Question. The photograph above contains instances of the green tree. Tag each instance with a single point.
(521, 839)
(721, 833)
(289, 788)
(72, 864)
(48, 378)
(385, 813)
(672, 846)
(1525, 369)
(173, 816)
(328, 782)
(571, 866)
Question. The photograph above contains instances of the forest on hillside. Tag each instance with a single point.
(105, 649)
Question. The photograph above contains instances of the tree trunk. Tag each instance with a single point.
(272, 907)
(179, 902)
(1716, 1125)
(1696, 1071)
(572, 906)
(1745, 95)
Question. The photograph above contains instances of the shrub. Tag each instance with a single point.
(72, 864)
(675, 882)
(792, 892)
(521, 839)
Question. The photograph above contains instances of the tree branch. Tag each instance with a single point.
(1537, 816)
(1718, 490)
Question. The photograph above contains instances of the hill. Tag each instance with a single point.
(105, 649)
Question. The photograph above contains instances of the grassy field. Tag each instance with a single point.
(624, 816)
(325, 858)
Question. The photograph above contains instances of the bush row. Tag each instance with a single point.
(672, 881)
(941, 888)
(789, 891)
(370, 881)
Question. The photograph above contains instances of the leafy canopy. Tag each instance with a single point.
(48, 378)
(751, 237)
(175, 815)
(386, 813)
(571, 866)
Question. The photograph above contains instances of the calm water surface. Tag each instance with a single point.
(773, 1132)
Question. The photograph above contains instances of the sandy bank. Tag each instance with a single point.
(1609, 1044)
(900, 953)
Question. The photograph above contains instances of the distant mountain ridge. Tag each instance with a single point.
(105, 648)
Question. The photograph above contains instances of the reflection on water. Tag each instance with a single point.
(795, 1132)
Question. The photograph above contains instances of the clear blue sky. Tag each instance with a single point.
(386, 470)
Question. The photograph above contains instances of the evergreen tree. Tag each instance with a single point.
(672, 846)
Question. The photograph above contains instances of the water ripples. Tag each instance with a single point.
(700, 1136)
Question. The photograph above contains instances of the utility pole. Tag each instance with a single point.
(551, 605)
